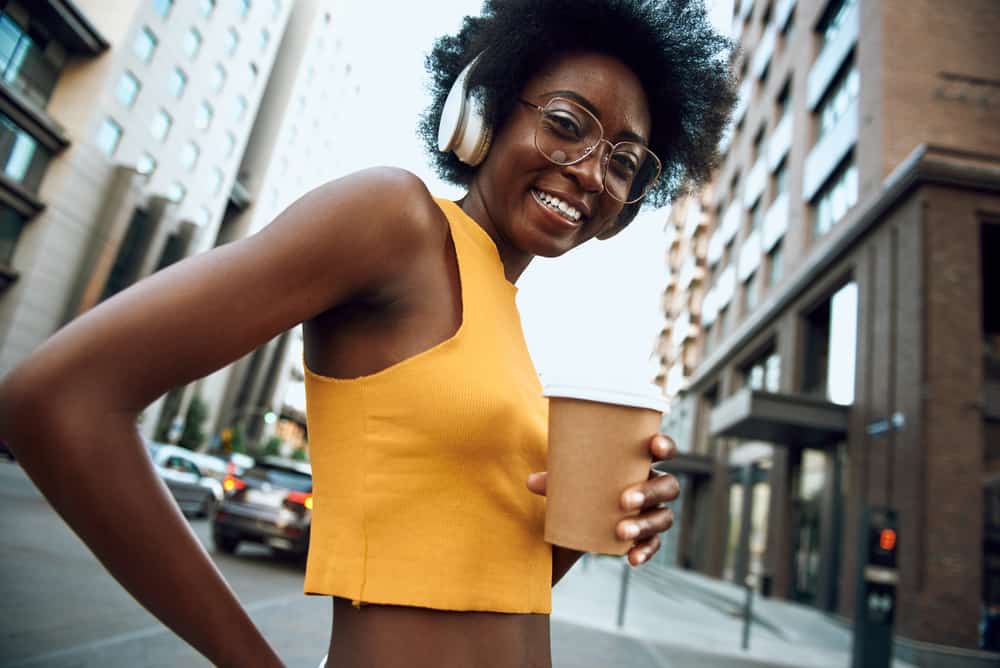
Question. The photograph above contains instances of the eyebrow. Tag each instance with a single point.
(589, 106)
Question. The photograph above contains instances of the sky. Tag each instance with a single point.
(591, 315)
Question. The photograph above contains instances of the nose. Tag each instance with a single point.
(589, 172)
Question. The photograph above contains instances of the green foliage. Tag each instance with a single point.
(192, 436)
(238, 441)
(300, 454)
(273, 447)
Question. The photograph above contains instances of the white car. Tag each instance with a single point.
(193, 478)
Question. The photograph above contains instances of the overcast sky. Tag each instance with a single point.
(587, 315)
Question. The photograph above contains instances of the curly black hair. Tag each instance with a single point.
(682, 63)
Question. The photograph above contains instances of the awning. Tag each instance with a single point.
(781, 419)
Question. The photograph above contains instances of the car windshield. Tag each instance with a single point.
(283, 478)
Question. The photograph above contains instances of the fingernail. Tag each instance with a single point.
(631, 530)
(641, 558)
(634, 499)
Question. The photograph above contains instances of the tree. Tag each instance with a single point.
(192, 436)
(273, 447)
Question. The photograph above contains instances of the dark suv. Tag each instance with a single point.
(269, 502)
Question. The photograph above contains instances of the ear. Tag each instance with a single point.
(627, 215)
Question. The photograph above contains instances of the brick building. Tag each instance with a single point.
(835, 340)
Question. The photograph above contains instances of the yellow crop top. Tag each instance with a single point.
(419, 470)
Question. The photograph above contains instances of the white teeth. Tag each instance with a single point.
(557, 204)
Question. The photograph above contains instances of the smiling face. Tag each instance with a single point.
(531, 206)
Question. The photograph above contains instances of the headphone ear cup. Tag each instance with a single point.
(463, 128)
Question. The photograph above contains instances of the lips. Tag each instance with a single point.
(559, 206)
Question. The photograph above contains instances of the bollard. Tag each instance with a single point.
(747, 613)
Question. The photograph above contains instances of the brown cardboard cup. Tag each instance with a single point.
(598, 446)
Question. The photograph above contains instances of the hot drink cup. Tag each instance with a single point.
(598, 446)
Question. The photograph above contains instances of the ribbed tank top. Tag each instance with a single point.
(419, 469)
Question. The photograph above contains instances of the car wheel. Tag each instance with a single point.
(225, 544)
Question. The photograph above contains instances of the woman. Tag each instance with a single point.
(426, 418)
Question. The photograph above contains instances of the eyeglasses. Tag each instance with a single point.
(567, 133)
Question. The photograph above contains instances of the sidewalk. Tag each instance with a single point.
(675, 619)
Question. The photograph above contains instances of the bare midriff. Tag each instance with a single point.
(388, 636)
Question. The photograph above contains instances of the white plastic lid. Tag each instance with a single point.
(638, 396)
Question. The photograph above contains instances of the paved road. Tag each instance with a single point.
(59, 607)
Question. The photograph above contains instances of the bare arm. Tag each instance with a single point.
(76, 399)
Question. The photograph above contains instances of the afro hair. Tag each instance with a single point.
(682, 63)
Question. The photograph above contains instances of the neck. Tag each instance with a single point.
(514, 261)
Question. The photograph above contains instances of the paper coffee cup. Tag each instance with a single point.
(598, 446)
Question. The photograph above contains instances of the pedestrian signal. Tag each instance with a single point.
(887, 540)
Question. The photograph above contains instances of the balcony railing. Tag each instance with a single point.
(681, 329)
(689, 273)
(749, 256)
(756, 181)
(709, 308)
(23, 65)
(775, 223)
(763, 52)
(715, 247)
(24, 159)
(730, 223)
(832, 56)
(780, 142)
(829, 151)
(725, 286)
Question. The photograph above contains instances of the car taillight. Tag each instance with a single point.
(304, 499)
(232, 484)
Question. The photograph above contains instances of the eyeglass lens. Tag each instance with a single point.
(568, 133)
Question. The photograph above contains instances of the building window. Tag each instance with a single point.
(177, 82)
(128, 89)
(24, 159)
(253, 72)
(836, 198)
(831, 347)
(276, 9)
(230, 144)
(29, 66)
(843, 91)
(108, 136)
(145, 44)
(161, 124)
(758, 145)
(774, 268)
(781, 179)
(218, 77)
(207, 8)
(764, 374)
(750, 294)
(11, 224)
(833, 19)
(265, 38)
(202, 216)
(244, 8)
(217, 178)
(756, 216)
(231, 40)
(163, 7)
(239, 108)
(176, 192)
(192, 42)
(203, 116)
(146, 164)
(189, 155)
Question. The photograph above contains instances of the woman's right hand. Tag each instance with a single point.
(69, 411)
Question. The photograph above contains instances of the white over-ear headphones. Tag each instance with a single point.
(463, 128)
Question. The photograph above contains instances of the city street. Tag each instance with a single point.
(60, 608)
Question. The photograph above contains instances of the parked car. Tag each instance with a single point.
(270, 503)
(189, 476)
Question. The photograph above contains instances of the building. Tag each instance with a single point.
(834, 325)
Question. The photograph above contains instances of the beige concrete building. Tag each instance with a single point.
(836, 337)
(126, 123)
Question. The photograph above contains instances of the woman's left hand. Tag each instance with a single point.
(647, 497)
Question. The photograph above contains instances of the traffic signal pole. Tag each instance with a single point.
(877, 579)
